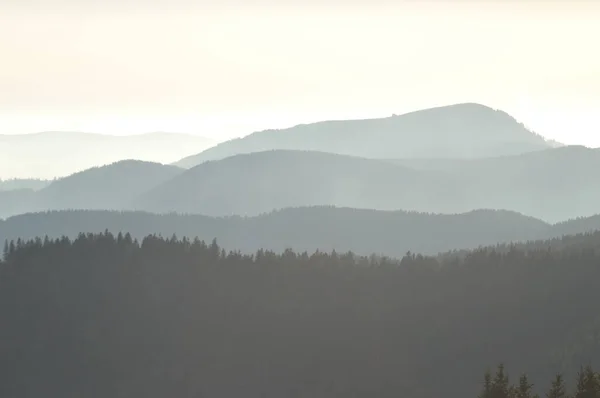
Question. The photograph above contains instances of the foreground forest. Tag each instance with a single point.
(586, 385)
(108, 316)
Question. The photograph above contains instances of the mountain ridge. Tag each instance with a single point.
(253, 183)
(363, 231)
(553, 185)
(431, 132)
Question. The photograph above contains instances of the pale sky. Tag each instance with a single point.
(135, 66)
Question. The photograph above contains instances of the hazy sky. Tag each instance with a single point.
(136, 66)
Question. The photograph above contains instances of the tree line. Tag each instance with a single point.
(587, 385)
(105, 314)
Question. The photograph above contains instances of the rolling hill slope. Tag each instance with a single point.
(555, 184)
(109, 187)
(259, 182)
(112, 187)
(552, 185)
(309, 228)
(17, 201)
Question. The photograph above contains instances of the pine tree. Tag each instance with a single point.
(5, 251)
(588, 384)
(487, 385)
(592, 383)
(525, 388)
(500, 384)
(558, 389)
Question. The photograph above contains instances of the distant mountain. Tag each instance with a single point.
(555, 184)
(552, 185)
(108, 187)
(56, 154)
(259, 182)
(309, 228)
(17, 201)
(455, 131)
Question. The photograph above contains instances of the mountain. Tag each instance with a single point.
(108, 187)
(308, 228)
(577, 225)
(455, 131)
(17, 201)
(112, 186)
(555, 184)
(56, 154)
(259, 182)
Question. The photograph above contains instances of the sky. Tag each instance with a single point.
(133, 66)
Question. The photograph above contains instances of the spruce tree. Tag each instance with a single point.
(525, 388)
(500, 384)
(558, 389)
(5, 251)
(588, 384)
(487, 385)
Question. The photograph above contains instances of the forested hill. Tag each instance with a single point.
(110, 187)
(307, 228)
(553, 185)
(455, 131)
(256, 183)
(107, 316)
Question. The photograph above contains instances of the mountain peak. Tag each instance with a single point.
(465, 130)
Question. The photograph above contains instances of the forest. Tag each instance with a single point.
(587, 385)
(107, 315)
(328, 228)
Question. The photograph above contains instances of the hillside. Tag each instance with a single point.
(326, 228)
(112, 186)
(57, 154)
(555, 184)
(106, 316)
(552, 185)
(16, 201)
(260, 182)
(456, 131)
